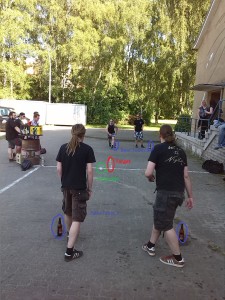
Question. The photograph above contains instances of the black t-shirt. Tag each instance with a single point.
(138, 125)
(111, 129)
(202, 113)
(74, 166)
(170, 161)
(11, 132)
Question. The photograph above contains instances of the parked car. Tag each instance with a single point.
(4, 114)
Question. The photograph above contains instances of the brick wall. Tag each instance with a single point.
(203, 148)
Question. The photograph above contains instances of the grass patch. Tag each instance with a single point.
(152, 127)
(129, 127)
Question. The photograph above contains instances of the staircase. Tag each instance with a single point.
(203, 148)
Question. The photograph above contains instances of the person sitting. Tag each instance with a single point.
(111, 130)
(204, 113)
(221, 137)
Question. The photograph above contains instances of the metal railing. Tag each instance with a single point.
(192, 126)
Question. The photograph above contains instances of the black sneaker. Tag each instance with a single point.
(136, 146)
(75, 254)
(142, 146)
(151, 251)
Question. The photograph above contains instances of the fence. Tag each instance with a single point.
(192, 126)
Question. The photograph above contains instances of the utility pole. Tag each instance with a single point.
(50, 78)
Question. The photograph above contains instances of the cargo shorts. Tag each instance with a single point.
(72, 207)
(14, 142)
(164, 208)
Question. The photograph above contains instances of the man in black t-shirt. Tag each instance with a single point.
(138, 131)
(74, 166)
(170, 163)
(111, 130)
(12, 131)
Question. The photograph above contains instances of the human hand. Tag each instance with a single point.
(90, 193)
(151, 178)
(189, 203)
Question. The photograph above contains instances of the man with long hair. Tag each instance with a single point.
(170, 163)
(74, 167)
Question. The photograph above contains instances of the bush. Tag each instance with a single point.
(183, 123)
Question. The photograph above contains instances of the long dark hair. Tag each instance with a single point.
(166, 132)
(78, 132)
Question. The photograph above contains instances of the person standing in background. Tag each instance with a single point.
(111, 130)
(12, 136)
(138, 130)
(204, 113)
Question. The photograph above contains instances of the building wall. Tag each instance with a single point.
(211, 54)
(203, 149)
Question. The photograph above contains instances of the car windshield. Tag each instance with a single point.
(4, 111)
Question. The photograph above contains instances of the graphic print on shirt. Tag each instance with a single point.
(175, 157)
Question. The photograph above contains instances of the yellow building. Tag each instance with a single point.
(210, 72)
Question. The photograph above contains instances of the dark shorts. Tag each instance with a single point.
(138, 135)
(72, 207)
(165, 206)
(14, 142)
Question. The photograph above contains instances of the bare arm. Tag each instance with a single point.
(89, 178)
(59, 169)
(210, 111)
(17, 129)
(188, 186)
(150, 170)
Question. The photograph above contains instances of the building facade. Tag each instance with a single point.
(210, 71)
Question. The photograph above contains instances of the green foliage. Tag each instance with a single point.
(118, 57)
(183, 123)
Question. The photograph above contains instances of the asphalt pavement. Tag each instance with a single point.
(118, 222)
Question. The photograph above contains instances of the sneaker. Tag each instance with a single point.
(142, 146)
(170, 260)
(75, 254)
(151, 251)
(136, 146)
(111, 146)
(217, 147)
(11, 159)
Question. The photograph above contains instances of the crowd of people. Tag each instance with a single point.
(167, 164)
(13, 131)
(204, 113)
